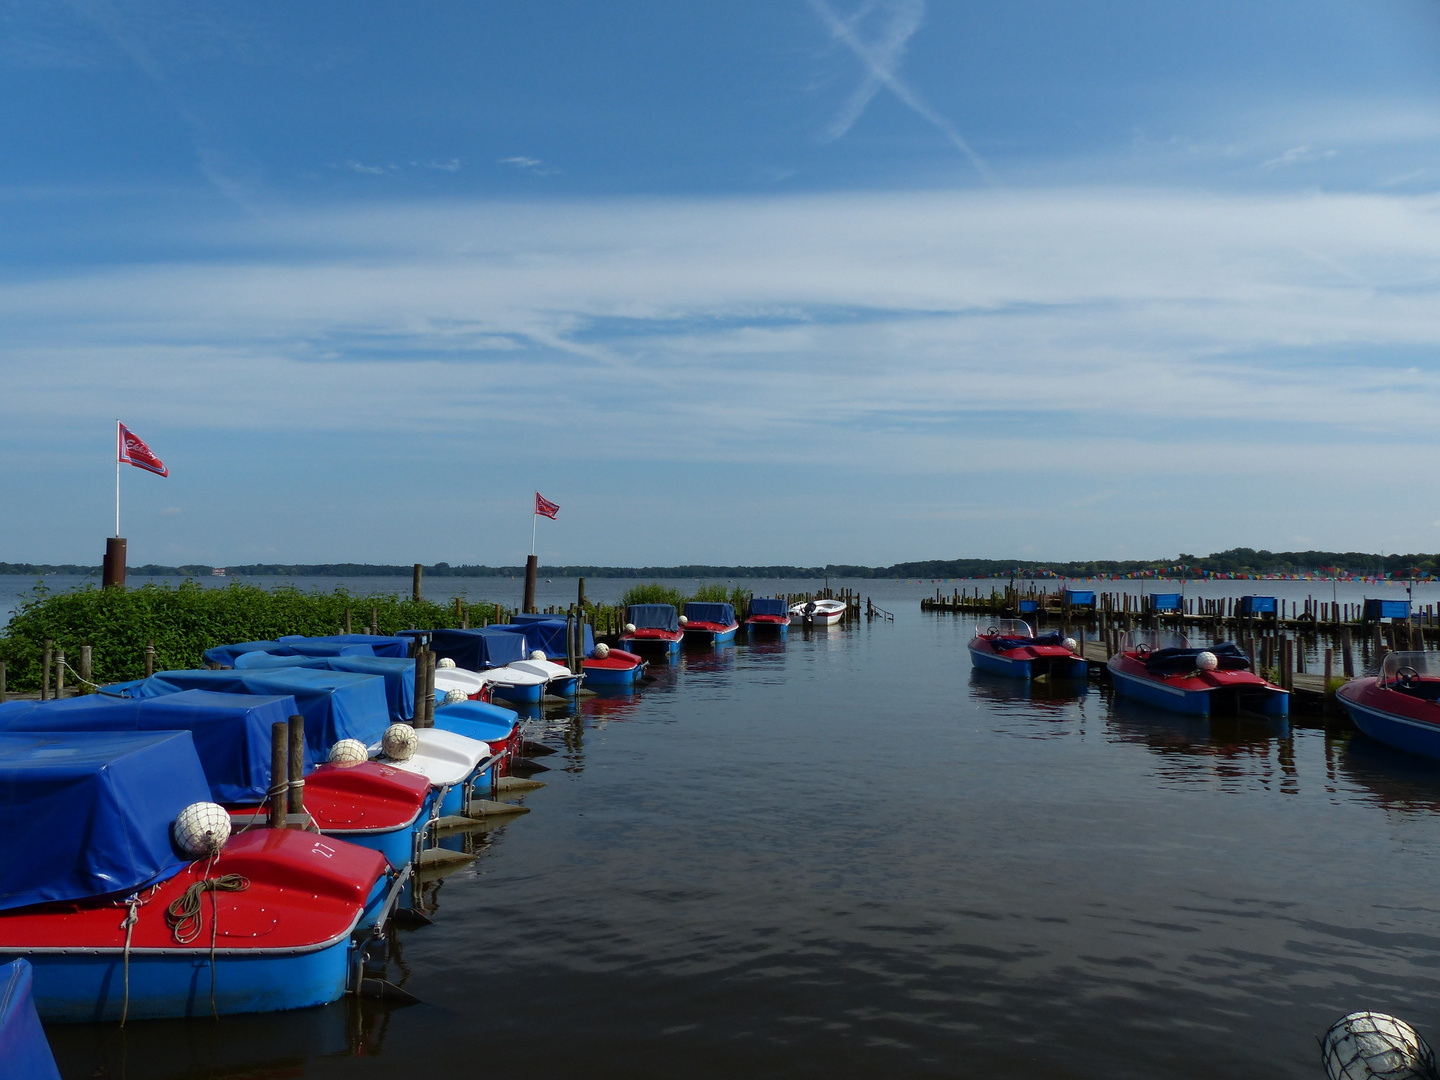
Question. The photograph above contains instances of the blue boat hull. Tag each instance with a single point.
(613, 676)
(1192, 702)
(563, 687)
(1025, 669)
(397, 845)
(521, 695)
(1401, 733)
(90, 987)
(710, 637)
(767, 628)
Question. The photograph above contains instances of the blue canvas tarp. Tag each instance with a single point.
(23, 1047)
(1079, 596)
(226, 654)
(399, 675)
(724, 614)
(397, 648)
(88, 813)
(1375, 610)
(1165, 601)
(231, 731)
(229, 654)
(521, 618)
(478, 649)
(548, 635)
(653, 617)
(768, 605)
(336, 704)
(1257, 605)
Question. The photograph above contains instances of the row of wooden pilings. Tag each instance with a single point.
(54, 664)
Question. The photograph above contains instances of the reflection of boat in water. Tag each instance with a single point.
(1044, 695)
(1009, 647)
(1389, 778)
(1169, 674)
(1400, 706)
(1206, 749)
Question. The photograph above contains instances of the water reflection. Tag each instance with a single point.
(1405, 783)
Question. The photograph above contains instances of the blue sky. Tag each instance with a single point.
(782, 282)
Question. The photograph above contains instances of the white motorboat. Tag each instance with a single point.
(818, 612)
(560, 680)
(466, 681)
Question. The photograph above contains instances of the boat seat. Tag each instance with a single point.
(1181, 661)
(1425, 689)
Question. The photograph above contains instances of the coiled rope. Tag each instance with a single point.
(183, 916)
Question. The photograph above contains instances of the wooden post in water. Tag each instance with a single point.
(113, 570)
(582, 595)
(1347, 661)
(279, 773)
(295, 799)
(87, 665)
(532, 567)
(417, 576)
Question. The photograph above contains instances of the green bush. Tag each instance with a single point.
(653, 593)
(184, 620)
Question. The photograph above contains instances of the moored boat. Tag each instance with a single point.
(768, 614)
(24, 1050)
(1172, 675)
(1400, 706)
(708, 624)
(613, 667)
(818, 612)
(104, 891)
(1009, 647)
(651, 627)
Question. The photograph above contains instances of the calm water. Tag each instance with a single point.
(851, 855)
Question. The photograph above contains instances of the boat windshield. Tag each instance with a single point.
(1152, 641)
(1402, 669)
(1010, 628)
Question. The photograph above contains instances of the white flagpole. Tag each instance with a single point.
(534, 521)
(117, 478)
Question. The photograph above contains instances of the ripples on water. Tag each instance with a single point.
(851, 855)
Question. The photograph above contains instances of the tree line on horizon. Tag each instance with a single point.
(1235, 560)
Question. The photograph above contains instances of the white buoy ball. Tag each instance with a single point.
(683, 620)
(453, 696)
(399, 742)
(629, 627)
(538, 654)
(445, 662)
(1069, 643)
(348, 752)
(1207, 661)
(201, 829)
(601, 651)
(1364, 1045)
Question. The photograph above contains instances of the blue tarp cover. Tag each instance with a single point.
(23, 1047)
(226, 654)
(88, 813)
(548, 635)
(1257, 605)
(478, 649)
(768, 605)
(1165, 601)
(231, 731)
(521, 617)
(399, 675)
(1079, 596)
(380, 644)
(1029, 605)
(724, 614)
(653, 617)
(1386, 609)
(476, 720)
(336, 704)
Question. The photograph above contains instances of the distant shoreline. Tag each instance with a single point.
(1234, 561)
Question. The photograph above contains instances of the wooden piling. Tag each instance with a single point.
(149, 658)
(347, 621)
(532, 568)
(2, 682)
(45, 661)
(1347, 661)
(279, 773)
(295, 769)
(87, 665)
(59, 675)
(417, 575)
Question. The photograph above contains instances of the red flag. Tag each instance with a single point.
(545, 506)
(134, 452)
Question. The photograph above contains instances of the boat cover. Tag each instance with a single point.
(228, 654)
(1256, 605)
(380, 644)
(724, 614)
(1079, 596)
(521, 618)
(231, 731)
(1165, 601)
(768, 605)
(399, 674)
(1183, 661)
(653, 617)
(478, 649)
(88, 813)
(23, 1047)
(547, 635)
(336, 704)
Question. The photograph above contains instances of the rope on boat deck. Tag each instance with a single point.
(184, 917)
